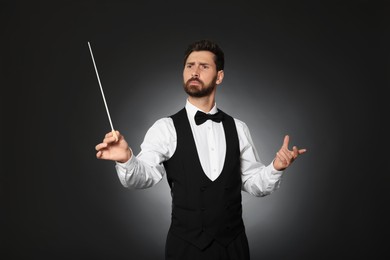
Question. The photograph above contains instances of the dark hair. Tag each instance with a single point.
(207, 45)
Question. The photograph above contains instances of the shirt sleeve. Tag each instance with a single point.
(258, 179)
(146, 169)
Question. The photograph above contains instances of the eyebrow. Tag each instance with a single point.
(200, 63)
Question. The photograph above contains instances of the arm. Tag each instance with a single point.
(257, 178)
(146, 169)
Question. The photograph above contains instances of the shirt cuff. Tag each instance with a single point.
(123, 169)
(273, 170)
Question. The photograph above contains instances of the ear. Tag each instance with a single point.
(220, 75)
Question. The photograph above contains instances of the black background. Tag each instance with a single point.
(317, 70)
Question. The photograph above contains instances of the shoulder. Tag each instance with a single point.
(162, 128)
(165, 123)
(242, 129)
(240, 124)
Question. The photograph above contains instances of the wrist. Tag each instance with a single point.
(128, 156)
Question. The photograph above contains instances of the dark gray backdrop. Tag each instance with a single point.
(315, 70)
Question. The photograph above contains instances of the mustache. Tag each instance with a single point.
(194, 79)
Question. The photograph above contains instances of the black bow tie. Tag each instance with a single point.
(201, 117)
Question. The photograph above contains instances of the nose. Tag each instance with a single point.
(195, 72)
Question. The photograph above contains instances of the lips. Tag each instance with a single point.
(194, 82)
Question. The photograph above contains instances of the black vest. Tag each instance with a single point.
(204, 210)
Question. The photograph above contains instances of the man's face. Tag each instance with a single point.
(200, 75)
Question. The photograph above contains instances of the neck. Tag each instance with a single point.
(203, 103)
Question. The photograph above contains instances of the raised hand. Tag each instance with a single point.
(285, 157)
(113, 147)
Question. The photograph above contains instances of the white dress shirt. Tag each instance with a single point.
(147, 169)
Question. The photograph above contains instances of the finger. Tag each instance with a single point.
(295, 152)
(285, 141)
(114, 134)
(282, 157)
(108, 134)
(301, 151)
(110, 139)
(286, 153)
(99, 154)
(283, 162)
(100, 146)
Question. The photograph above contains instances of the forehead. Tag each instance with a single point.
(201, 57)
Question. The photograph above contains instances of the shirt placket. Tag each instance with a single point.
(213, 153)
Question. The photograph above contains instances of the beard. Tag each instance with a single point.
(201, 90)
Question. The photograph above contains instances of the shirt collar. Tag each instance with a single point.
(192, 109)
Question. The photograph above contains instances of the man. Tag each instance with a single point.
(208, 162)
